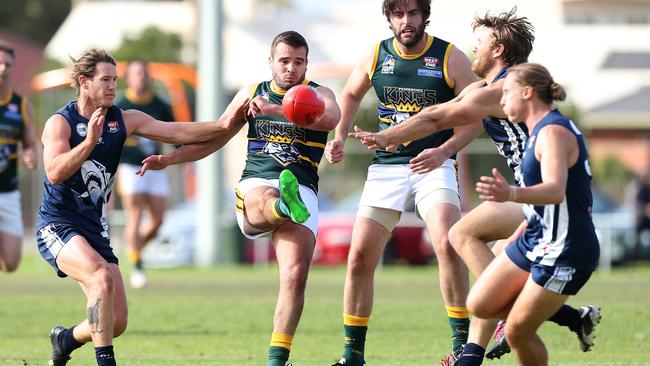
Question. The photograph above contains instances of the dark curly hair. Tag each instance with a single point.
(516, 34)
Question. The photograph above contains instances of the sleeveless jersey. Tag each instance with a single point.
(82, 199)
(275, 144)
(509, 137)
(405, 84)
(12, 119)
(136, 148)
(559, 231)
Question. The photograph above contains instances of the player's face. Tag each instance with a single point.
(512, 100)
(288, 65)
(407, 23)
(483, 51)
(101, 88)
(137, 77)
(6, 64)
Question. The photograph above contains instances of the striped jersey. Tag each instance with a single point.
(509, 137)
(12, 122)
(275, 144)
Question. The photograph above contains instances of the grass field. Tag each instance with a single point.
(223, 316)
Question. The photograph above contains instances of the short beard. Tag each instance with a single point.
(481, 68)
(419, 33)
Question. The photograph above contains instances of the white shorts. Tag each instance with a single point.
(11, 218)
(154, 182)
(308, 197)
(392, 186)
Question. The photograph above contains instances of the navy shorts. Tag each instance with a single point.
(52, 238)
(562, 278)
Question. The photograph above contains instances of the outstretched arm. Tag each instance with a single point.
(432, 158)
(230, 122)
(475, 105)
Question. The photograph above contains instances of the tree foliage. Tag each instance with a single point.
(152, 44)
(36, 20)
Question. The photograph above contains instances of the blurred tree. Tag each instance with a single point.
(152, 44)
(611, 176)
(37, 20)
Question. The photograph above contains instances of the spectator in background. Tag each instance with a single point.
(16, 129)
(146, 193)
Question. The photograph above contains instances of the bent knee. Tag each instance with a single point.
(517, 335)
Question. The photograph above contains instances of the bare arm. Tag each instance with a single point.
(475, 105)
(557, 150)
(59, 160)
(355, 88)
(332, 114)
(230, 122)
(29, 139)
(142, 124)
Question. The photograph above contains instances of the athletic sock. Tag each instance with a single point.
(567, 316)
(280, 209)
(105, 356)
(67, 342)
(135, 258)
(459, 323)
(355, 329)
(472, 355)
(279, 349)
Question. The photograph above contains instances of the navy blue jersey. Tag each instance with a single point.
(509, 137)
(560, 235)
(82, 199)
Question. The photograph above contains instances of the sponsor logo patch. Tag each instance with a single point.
(113, 126)
(431, 62)
(430, 73)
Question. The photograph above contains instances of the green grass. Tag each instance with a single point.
(223, 316)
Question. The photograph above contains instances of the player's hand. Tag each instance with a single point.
(96, 124)
(153, 162)
(334, 151)
(261, 105)
(494, 188)
(428, 160)
(374, 140)
(29, 158)
(238, 117)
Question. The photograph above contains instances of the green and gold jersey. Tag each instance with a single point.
(404, 85)
(275, 144)
(136, 148)
(13, 110)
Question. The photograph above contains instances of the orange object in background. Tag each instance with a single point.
(175, 78)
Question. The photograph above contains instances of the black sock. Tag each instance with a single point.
(567, 316)
(67, 341)
(472, 355)
(105, 356)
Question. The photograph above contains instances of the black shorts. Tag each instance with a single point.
(52, 238)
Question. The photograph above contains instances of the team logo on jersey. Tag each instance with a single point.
(431, 62)
(113, 126)
(82, 129)
(388, 66)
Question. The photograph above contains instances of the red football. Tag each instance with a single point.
(303, 105)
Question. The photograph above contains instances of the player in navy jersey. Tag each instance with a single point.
(555, 250)
(502, 41)
(82, 143)
(277, 193)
